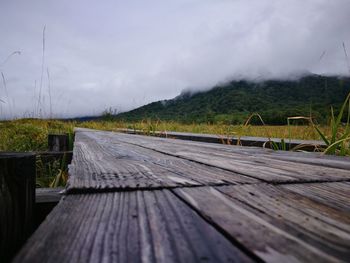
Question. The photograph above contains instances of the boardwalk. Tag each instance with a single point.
(134, 198)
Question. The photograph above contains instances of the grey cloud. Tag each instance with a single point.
(123, 54)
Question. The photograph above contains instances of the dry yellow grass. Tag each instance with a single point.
(31, 134)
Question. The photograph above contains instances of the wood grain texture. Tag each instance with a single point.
(45, 200)
(255, 164)
(134, 198)
(101, 162)
(274, 223)
(138, 226)
(48, 195)
(17, 197)
(318, 224)
(336, 195)
(309, 145)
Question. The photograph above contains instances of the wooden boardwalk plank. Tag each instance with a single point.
(233, 140)
(336, 195)
(138, 226)
(101, 163)
(276, 224)
(133, 198)
(256, 165)
(48, 195)
(246, 150)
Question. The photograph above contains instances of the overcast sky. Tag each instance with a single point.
(123, 54)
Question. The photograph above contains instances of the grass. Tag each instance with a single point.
(52, 173)
(61, 176)
(339, 140)
(304, 132)
(31, 135)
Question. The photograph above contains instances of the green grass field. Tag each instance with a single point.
(31, 134)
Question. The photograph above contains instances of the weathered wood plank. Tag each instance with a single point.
(137, 226)
(17, 195)
(101, 162)
(256, 150)
(317, 158)
(48, 195)
(274, 223)
(244, 218)
(308, 145)
(45, 200)
(258, 165)
(318, 224)
(336, 195)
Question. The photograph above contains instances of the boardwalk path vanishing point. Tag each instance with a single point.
(134, 198)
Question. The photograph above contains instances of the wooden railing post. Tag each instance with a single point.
(17, 198)
(58, 142)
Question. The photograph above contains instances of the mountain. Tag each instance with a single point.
(232, 103)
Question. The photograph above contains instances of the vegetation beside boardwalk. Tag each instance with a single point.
(31, 134)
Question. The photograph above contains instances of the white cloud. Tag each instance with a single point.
(127, 53)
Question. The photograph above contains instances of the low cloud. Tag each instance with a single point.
(123, 54)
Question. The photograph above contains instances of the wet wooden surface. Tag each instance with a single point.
(133, 198)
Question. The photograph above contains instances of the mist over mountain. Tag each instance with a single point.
(124, 54)
(233, 102)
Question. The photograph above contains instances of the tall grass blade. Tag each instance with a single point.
(332, 148)
(340, 115)
(9, 56)
(346, 57)
(326, 141)
(42, 72)
(49, 89)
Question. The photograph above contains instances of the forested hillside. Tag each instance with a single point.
(274, 100)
